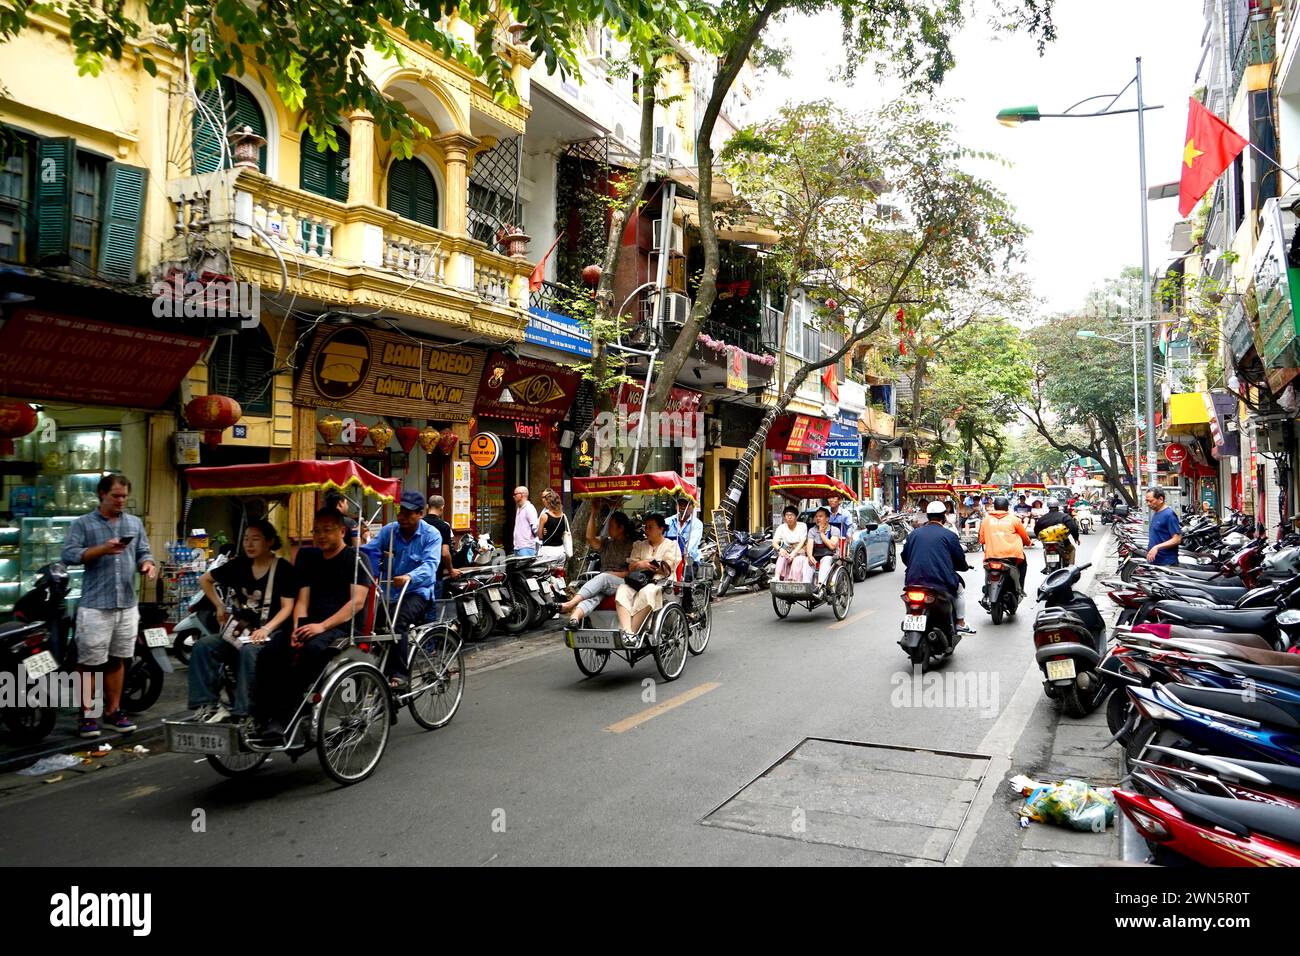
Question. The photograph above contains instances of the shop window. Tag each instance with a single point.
(242, 366)
(325, 172)
(16, 193)
(229, 101)
(412, 193)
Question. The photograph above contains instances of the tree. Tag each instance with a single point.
(909, 38)
(313, 51)
(817, 172)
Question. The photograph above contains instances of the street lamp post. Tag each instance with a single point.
(1022, 114)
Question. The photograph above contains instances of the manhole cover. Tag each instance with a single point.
(897, 800)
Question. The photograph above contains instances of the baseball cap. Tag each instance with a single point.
(412, 501)
(935, 508)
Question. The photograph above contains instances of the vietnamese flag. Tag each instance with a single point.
(831, 381)
(1211, 146)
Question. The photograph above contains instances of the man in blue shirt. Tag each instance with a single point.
(933, 556)
(687, 530)
(841, 519)
(417, 549)
(1165, 534)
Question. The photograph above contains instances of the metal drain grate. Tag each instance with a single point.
(902, 801)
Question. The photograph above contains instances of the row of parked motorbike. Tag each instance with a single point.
(1201, 687)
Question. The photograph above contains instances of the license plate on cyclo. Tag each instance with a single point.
(38, 665)
(914, 622)
(595, 640)
(197, 741)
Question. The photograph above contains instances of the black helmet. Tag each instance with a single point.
(1000, 503)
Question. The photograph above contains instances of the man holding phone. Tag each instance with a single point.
(112, 545)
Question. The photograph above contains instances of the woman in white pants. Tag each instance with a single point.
(822, 546)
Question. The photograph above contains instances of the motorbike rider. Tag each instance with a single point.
(933, 557)
(1055, 516)
(1004, 537)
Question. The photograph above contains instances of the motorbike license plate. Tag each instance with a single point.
(494, 595)
(157, 637)
(593, 640)
(40, 664)
(914, 622)
(1061, 670)
(534, 584)
(197, 741)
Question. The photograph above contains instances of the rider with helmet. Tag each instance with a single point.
(933, 557)
(1056, 516)
(1004, 537)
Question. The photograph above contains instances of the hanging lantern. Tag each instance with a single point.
(407, 436)
(448, 443)
(330, 428)
(591, 274)
(16, 420)
(359, 433)
(380, 435)
(214, 414)
(429, 437)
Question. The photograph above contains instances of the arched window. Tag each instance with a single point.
(240, 109)
(241, 367)
(412, 193)
(325, 172)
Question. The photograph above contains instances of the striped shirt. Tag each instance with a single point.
(109, 582)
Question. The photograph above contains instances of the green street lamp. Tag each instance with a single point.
(1015, 116)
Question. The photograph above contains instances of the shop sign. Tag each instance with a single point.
(525, 388)
(383, 373)
(559, 332)
(1274, 283)
(737, 369)
(485, 449)
(681, 412)
(796, 434)
(1176, 454)
(45, 355)
(460, 496)
(842, 449)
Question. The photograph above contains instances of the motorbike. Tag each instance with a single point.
(747, 561)
(1003, 589)
(1051, 557)
(29, 647)
(929, 625)
(1070, 642)
(533, 587)
(200, 620)
(1084, 516)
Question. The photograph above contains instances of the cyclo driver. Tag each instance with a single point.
(933, 557)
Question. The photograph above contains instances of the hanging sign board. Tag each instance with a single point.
(485, 449)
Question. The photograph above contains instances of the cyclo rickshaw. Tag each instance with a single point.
(345, 715)
(920, 493)
(968, 518)
(837, 588)
(1033, 491)
(682, 624)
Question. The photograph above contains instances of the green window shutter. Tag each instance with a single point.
(338, 188)
(425, 194)
(56, 165)
(323, 171)
(399, 188)
(242, 110)
(207, 144)
(119, 244)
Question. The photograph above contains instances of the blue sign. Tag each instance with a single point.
(239, 431)
(558, 332)
(842, 449)
(845, 428)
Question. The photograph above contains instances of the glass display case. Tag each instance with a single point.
(42, 544)
(10, 560)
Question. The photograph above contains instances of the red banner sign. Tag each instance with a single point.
(45, 355)
(1176, 454)
(799, 434)
(682, 409)
(525, 388)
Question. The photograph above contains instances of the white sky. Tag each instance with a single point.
(1074, 182)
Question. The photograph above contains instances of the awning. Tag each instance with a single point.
(929, 488)
(286, 477)
(799, 434)
(744, 230)
(799, 487)
(650, 483)
(1188, 408)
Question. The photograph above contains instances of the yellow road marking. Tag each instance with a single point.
(661, 708)
(852, 619)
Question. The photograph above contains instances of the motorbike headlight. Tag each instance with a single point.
(1288, 618)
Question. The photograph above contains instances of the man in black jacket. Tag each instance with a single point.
(1056, 516)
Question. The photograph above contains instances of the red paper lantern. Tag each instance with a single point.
(448, 443)
(591, 275)
(214, 414)
(16, 420)
(359, 432)
(407, 436)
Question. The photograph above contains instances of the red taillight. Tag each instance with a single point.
(364, 647)
(557, 572)
(916, 597)
(35, 640)
(994, 565)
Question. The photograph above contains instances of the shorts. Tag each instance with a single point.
(102, 634)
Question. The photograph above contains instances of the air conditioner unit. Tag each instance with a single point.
(677, 309)
(891, 456)
(676, 239)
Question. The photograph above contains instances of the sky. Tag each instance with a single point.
(1074, 182)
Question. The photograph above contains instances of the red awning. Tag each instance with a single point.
(287, 477)
(795, 434)
(652, 483)
(929, 488)
(799, 487)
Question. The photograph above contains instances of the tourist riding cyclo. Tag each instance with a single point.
(812, 565)
(323, 680)
(970, 513)
(633, 603)
(920, 493)
(1033, 494)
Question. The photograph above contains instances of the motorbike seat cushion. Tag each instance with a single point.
(1278, 774)
(1231, 701)
(1248, 620)
(1219, 594)
(10, 627)
(1251, 655)
(1243, 640)
(1284, 676)
(1258, 817)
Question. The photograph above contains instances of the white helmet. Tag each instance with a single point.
(1052, 504)
(936, 508)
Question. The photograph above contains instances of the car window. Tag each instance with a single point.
(869, 515)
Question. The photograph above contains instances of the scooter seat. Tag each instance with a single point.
(1267, 818)
(1233, 701)
(1225, 595)
(1283, 676)
(1242, 640)
(1279, 775)
(1197, 574)
(1251, 655)
(1248, 620)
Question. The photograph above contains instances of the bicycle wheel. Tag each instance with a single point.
(781, 607)
(437, 670)
(670, 652)
(841, 592)
(702, 628)
(236, 765)
(352, 723)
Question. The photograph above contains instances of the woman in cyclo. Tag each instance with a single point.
(262, 588)
(614, 549)
(657, 556)
(821, 547)
(791, 542)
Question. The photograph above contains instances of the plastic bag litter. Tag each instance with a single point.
(50, 764)
(1070, 803)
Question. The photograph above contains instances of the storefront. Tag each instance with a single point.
(399, 405)
(102, 395)
(522, 402)
(728, 430)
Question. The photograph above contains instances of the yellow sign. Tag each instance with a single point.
(485, 449)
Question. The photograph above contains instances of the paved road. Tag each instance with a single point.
(529, 772)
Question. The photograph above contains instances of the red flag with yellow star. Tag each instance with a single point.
(1211, 146)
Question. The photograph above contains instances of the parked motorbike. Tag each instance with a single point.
(1070, 642)
(1003, 589)
(929, 625)
(29, 647)
(199, 622)
(533, 586)
(747, 561)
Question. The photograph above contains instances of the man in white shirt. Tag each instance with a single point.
(525, 538)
